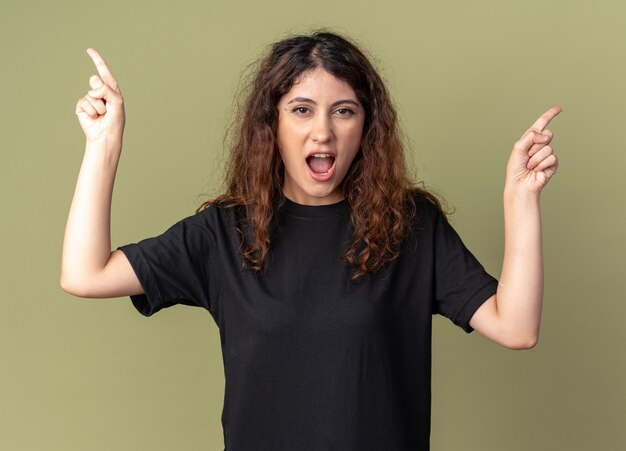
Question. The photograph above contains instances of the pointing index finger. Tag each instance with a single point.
(545, 119)
(101, 66)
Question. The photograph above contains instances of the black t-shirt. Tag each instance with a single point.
(312, 361)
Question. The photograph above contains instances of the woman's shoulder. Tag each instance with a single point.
(425, 204)
(219, 211)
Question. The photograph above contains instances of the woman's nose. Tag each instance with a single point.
(322, 129)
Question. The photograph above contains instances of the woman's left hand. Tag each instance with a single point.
(532, 162)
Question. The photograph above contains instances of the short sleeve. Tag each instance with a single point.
(172, 268)
(461, 283)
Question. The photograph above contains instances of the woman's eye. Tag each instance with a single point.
(300, 110)
(344, 112)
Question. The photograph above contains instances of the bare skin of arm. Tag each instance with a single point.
(88, 267)
(513, 315)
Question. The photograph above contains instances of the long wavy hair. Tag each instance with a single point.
(377, 187)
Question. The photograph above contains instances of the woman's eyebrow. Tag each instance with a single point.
(350, 101)
(337, 102)
(302, 99)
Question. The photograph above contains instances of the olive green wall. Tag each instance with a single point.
(468, 78)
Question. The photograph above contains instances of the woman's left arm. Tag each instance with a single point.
(512, 316)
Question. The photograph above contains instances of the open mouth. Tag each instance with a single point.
(320, 163)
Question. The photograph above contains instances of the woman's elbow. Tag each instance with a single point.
(522, 342)
(74, 286)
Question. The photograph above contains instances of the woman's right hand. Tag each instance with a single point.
(101, 111)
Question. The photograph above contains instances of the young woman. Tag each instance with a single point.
(322, 264)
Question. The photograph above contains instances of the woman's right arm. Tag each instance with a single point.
(88, 267)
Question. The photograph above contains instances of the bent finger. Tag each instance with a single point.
(95, 82)
(97, 104)
(551, 163)
(83, 106)
(106, 93)
(536, 147)
(530, 138)
(541, 155)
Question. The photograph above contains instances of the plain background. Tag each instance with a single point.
(468, 78)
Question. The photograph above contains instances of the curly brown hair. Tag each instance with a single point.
(377, 187)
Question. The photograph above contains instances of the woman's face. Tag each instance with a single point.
(320, 124)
